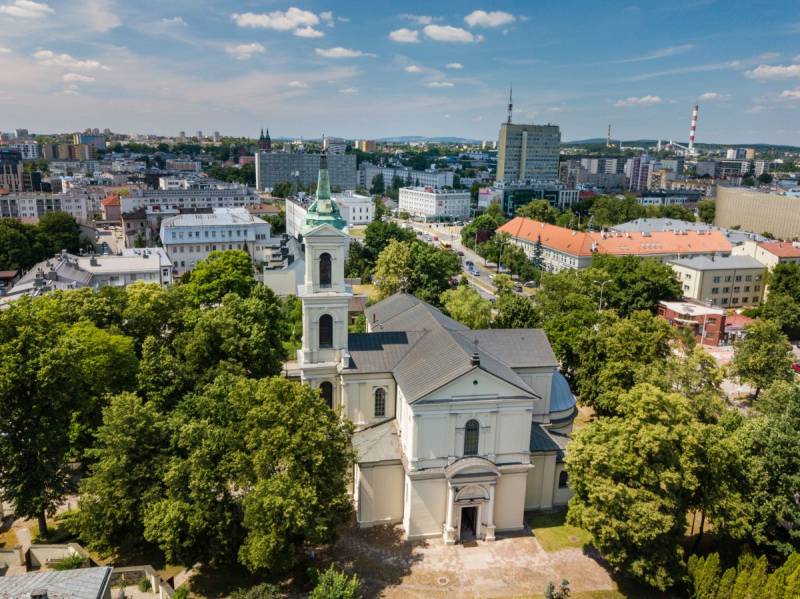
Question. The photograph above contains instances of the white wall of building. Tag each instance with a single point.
(431, 203)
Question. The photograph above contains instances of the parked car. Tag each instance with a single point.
(796, 367)
(469, 263)
(518, 288)
(530, 284)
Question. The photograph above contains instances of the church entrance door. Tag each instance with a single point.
(469, 519)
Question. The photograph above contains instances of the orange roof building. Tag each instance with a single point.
(770, 253)
(564, 248)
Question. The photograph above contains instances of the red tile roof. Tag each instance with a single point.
(738, 321)
(112, 200)
(655, 243)
(781, 249)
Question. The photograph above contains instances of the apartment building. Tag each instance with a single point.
(10, 170)
(432, 204)
(32, 206)
(200, 195)
(769, 253)
(728, 282)
(190, 238)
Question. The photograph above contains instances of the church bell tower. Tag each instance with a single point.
(324, 294)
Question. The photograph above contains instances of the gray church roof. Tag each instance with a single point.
(83, 583)
(442, 348)
(561, 397)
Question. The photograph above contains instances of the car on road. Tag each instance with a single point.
(469, 263)
(796, 367)
(518, 288)
(530, 284)
(460, 253)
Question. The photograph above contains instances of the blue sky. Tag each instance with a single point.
(380, 68)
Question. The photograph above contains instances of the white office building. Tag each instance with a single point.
(190, 238)
(32, 206)
(432, 204)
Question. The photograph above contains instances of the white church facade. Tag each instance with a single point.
(458, 432)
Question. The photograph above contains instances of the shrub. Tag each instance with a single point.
(145, 585)
(259, 591)
(336, 585)
(70, 562)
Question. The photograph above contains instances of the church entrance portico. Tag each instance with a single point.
(471, 484)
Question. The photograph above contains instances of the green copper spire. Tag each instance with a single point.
(324, 209)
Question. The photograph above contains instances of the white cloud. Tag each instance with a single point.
(419, 19)
(298, 84)
(343, 19)
(791, 94)
(244, 51)
(438, 84)
(404, 36)
(5, 50)
(77, 78)
(774, 72)
(656, 54)
(308, 32)
(796, 58)
(26, 9)
(640, 101)
(100, 15)
(339, 52)
(448, 33)
(495, 18)
(711, 96)
(292, 18)
(756, 109)
(173, 22)
(769, 55)
(454, 65)
(51, 59)
(348, 91)
(412, 68)
(327, 16)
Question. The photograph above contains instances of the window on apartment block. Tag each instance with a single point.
(735, 300)
(714, 290)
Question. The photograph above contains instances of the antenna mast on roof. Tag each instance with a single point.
(510, 102)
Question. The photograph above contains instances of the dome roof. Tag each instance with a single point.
(561, 397)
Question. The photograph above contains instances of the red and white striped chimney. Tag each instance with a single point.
(692, 129)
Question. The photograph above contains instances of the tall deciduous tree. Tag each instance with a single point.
(634, 476)
(614, 353)
(465, 305)
(393, 268)
(706, 210)
(58, 231)
(36, 408)
(432, 269)
(219, 274)
(539, 210)
(762, 356)
(128, 457)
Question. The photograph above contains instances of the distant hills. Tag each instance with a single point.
(651, 142)
(436, 140)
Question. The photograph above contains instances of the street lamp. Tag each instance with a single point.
(602, 284)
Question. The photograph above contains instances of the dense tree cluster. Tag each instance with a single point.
(23, 245)
(172, 403)
(747, 579)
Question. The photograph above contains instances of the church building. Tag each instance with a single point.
(458, 432)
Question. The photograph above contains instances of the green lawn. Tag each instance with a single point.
(554, 534)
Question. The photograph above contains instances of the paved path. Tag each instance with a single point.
(509, 567)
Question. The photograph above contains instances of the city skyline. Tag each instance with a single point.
(308, 68)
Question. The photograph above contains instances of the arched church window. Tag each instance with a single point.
(326, 331)
(325, 270)
(471, 436)
(563, 480)
(380, 402)
(326, 390)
